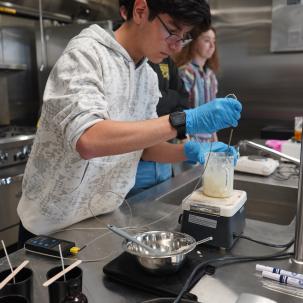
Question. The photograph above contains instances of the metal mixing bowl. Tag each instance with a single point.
(174, 246)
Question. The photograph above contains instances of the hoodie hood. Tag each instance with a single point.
(101, 47)
(107, 39)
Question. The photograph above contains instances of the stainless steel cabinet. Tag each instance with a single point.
(10, 193)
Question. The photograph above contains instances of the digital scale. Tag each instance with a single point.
(220, 218)
(257, 165)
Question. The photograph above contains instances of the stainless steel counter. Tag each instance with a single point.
(161, 206)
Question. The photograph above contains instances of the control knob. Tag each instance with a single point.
(3, 156)
(22, 154)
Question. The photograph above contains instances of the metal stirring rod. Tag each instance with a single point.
(230, 137)
(232, 130)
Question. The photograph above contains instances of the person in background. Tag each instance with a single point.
(174, 98)
(198, 62)
(99, 117)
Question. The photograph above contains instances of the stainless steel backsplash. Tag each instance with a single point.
(268, 84)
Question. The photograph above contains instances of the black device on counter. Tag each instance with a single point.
(222, 229)
(48, 245)
(126, 270)
(219, 218)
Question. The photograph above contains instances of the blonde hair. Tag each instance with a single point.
(187, 53)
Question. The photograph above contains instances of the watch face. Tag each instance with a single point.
(178, 119)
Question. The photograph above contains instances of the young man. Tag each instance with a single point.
(99, 117)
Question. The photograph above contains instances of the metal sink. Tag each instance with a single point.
(268, 200)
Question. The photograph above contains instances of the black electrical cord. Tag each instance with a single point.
(285, 173)
(227, 261)
(286, 245)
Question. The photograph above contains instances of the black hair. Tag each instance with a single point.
(124, 2)
(129, 6)
(189, 12)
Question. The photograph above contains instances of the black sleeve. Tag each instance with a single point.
(174, 96)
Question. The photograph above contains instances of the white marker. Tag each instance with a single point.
(283, 279)
(279, 271)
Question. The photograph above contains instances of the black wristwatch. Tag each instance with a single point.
(178, 121)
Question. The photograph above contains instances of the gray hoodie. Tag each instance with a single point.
(95, 79)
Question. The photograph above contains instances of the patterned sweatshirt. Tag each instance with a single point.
(95, 79)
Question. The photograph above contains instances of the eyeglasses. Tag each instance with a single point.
(174, 38)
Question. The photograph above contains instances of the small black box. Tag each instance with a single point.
(220, 218)
(48, 245)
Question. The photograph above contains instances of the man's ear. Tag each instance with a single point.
(140, 11)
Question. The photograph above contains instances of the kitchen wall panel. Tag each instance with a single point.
(269, 84)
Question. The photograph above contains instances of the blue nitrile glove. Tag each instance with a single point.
(196, 152)
(213, 116)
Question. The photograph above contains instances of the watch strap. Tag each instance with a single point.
(181, 132)
(178, 121)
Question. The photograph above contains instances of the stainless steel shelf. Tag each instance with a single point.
(30, 12)
(11, 68)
